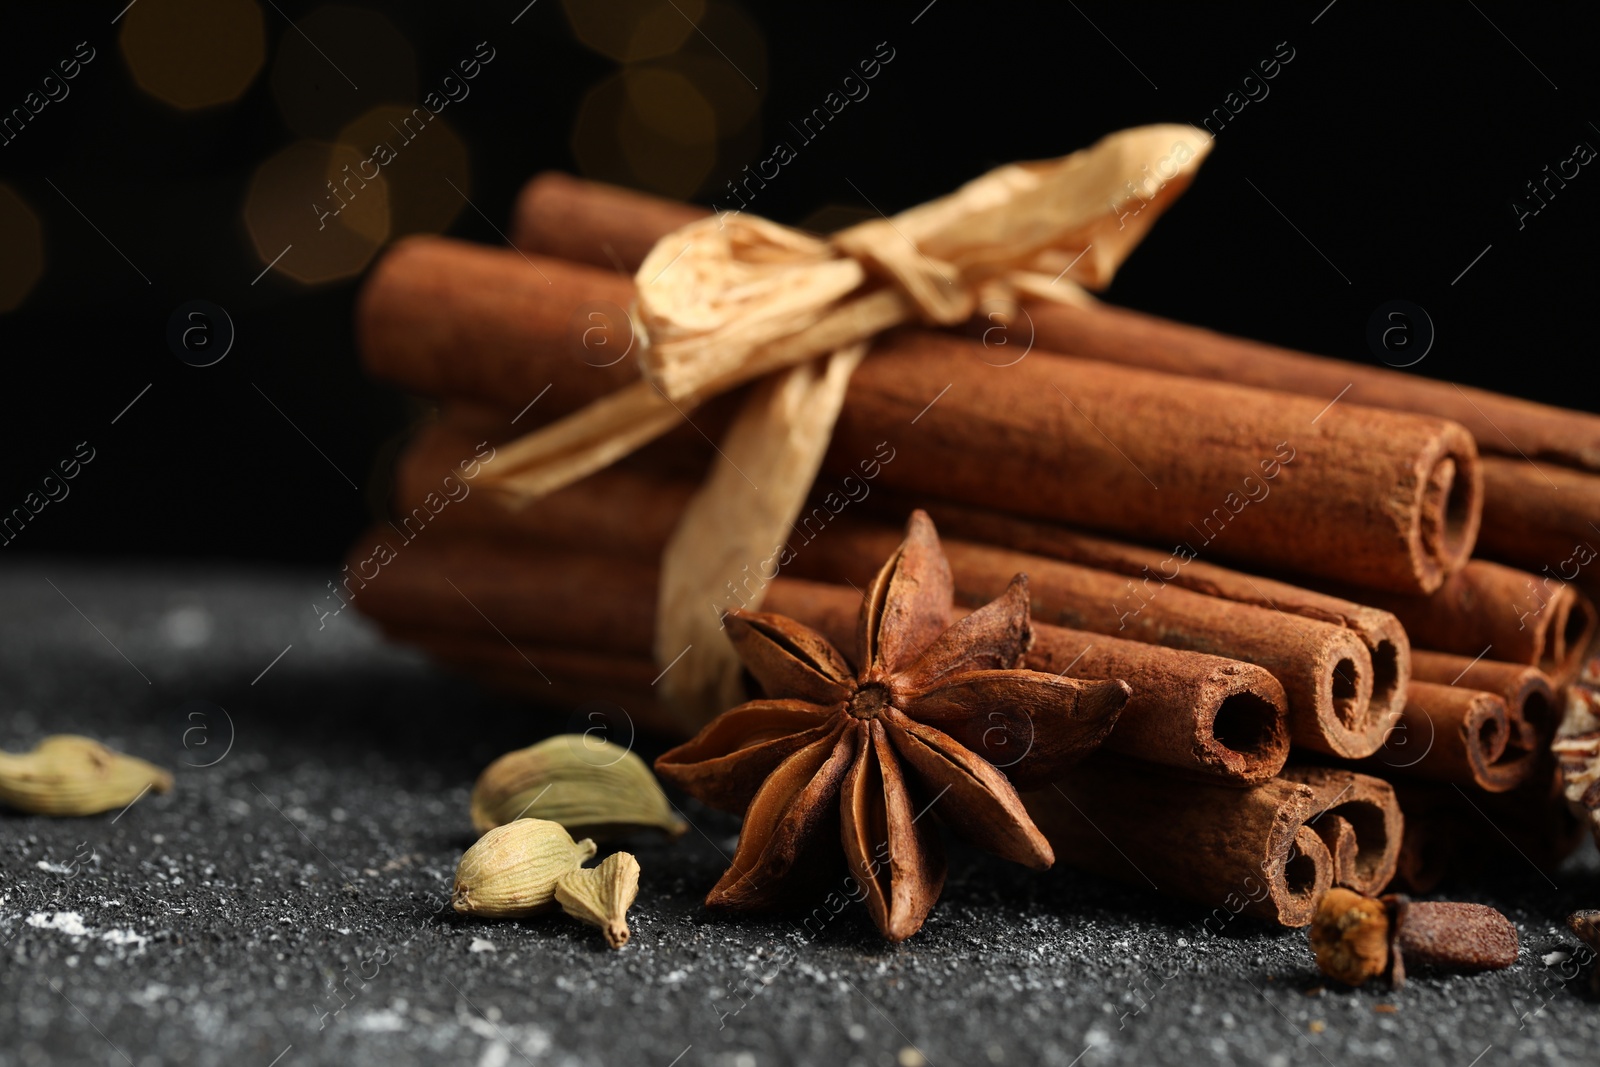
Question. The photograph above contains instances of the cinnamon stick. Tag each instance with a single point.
(620, 510)
(620, 219)
(1545, 518)
(446, 318)
(1000, 437)
(589, 222)
(1444, 488)
(1459, 736)
(1486, 609)
(1358, 818)
(1542, 507)
(1324, 669)
(1235, 727)
(1208, 715)
(1146, 460)
(546, 674)
(1501, 424)
(1240, 851)
(1528, 692)
(1152, 569)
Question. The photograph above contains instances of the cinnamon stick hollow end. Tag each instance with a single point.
(1388, 646)
(1237, 851)
(1528, 692)
(1462, 736)
(1358, 819)
(1341, 720)
(1206, 714)
(1486, 609)
(1451, 505)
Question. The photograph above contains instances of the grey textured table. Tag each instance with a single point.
(282, 904)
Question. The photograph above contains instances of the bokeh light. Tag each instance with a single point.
(21, 249)
(669, 104)
(194, 53)
(613, 142)
(330, 229)
(630, 30)
(421, 170)
(662, 121)
(336, 64)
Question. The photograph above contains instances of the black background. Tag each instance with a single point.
(1394, 143)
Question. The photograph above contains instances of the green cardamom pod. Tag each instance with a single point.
(70, 775)
(513, 869)
(601, 895)
(586, 784)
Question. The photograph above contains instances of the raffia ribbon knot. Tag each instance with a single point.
(732, 298)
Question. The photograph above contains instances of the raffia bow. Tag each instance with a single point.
(729, 299)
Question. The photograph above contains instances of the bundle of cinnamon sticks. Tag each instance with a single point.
(1326, 685)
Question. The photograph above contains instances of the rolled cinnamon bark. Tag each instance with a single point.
(1456, 735)
(1234, 726)
(1152, 569)
(1241, 851)
(1324, 669)
(1212, 716)
(546, 674)
(1502, 424)
(1528, 692)
(1209, 715)
(1544, 518)
(613, 227)
(1358, 818)
(542, 596)
(1289, 486)
(446, 318)
(1371, 497)
(621, 509)
(1486, 609)
(602, 225)
(1205, 714)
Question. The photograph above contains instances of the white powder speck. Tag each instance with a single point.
(68, 922)
(53, 868)
(482, 944)
(124, 937)
(380, 1022)
(71, 924)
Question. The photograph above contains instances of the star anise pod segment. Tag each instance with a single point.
(908, 739)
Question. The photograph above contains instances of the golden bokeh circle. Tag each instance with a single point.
(613, 142)
(21, 249)
(426, 165)
(669, 104)
(630, 30)
(329, 232)
(194, 53)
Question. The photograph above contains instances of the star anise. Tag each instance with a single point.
(891, 741)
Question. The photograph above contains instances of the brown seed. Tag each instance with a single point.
(1350, 936)
(1462, 937)
(1356, 938)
